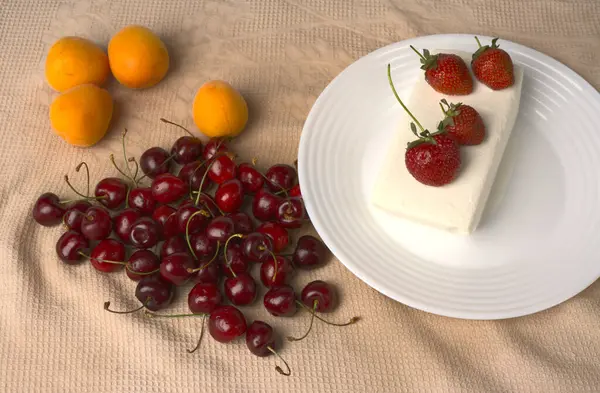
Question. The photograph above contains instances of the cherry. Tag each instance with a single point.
(191, 219)
(108, 250)
(214, 146)
(276, 271)
(204, 248)
(209, 204)
(295, 191)
(234, 261)
(167, 188)
(281, 177)
(161, 214)
(226, 323)
(221, 169)
(252, 180)
(220, 229)
(257, 247)
(290, 213)
(260, 340)
(123, 222)
(70, 245)
(309, 253)
(142, 263)
(187, 149)
(204, 298)
(281, 301)
(153, 292)
(192, 175)
(320, 296)
(240, 289)
(47, 210)
(175, 268)
(173, 245)
(74, 215)
(277, 233)
(229, 196)
(171, 226)
(208, 273)
(141, 198)
(145, 233)
(96, 224)
(242, 222)
(155, 161)
(112, 192)
(264, 205)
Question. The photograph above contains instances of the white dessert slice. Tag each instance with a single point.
(458, 206)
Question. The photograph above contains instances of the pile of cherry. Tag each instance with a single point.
(174, 232)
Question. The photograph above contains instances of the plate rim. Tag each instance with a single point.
(340, 255)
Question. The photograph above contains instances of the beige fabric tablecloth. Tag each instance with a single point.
(54, 334)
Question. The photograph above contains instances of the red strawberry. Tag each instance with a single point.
(463, 123)
(432, 159)
(446, 73)
(492, 66)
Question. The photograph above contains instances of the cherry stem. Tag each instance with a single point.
(236, 235)
(417, 52)
(128, 267)
(74, 189)
(177, 125)
(187, 229)
(199, 338)
(87, 173)
(312, 318)
(137, 168)
(350, 321)
(107, 305)
(112, 159)
(163, 163)
(127, 197)
(389, 71)
(81, 199)
(274, 264)
(279, 370)
(190, 270)
(202, 182)
(125, 156)
(192, 176)
(281, 191)
(149, 314)
(478, 43)
(102, 260)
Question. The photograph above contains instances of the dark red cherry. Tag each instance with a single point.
(204, 298)
(161, 214)
(205, 201)
(252, 180)
(310, 252)
(281, 301)
(208, 273)
(74, 215)
(257, 247)
(229, 196)
(322, 293)
(154, 292)
(171, 226)
(220, 229)
(226, 323)
(155, 161)
(281, 177)
(141, 198)
(187, 149)
(264, 205)
(240, 290)
(278, 234)
(221, 169)
(295, 191)
(123, 222)
(47, 210)
(174, 268)
(192, 175)
(260, 339)
(109, 250)
(235, 260)
(213, 146)
(204, 248)
(141, 264)
(282, 267)
(113, 190)
(291, 213)
(96, 224)
(145, 233)
(70, 245)
(173, 245)
(167, 188)
(188, 219)
(242, 222)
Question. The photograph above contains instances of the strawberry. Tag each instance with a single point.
(432, 159)
(463, 123)
(446, 73)
(492, 66)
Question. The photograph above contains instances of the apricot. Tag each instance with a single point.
(219, 110)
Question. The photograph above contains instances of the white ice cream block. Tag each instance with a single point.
(457, 206)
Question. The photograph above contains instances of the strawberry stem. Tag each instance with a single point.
(399, 100)
(418, 53)
(478, 43)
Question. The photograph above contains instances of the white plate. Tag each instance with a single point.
(538, 242)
